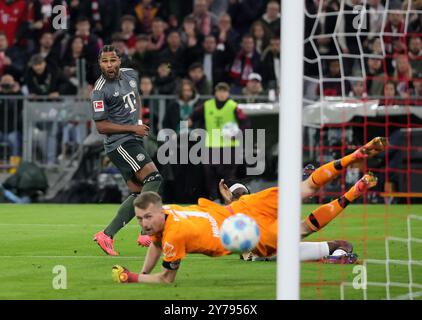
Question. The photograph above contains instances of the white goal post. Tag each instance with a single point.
(290, 149)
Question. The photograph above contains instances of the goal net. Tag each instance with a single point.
(363, 79)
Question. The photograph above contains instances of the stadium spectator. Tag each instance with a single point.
(127, 26)
(228, 38)
(253, 91)
(92, 43)
(12, 59)
(271, 64)
(13, 16)
(11, 115)
(416, 92)
(357, 90)
(244, 13)
(205, 21)
(402, 74)
(47, 49)
(390, 94)
(394, 38)
(214, 59)
(145, 12)
(375, 46)
(189, 34)
(42, 79)
(103, 16)
(199, 80)
(181, 178)
(245, 62)
(214, 115)
(326, 25)
(40, 15)
(261, 36)
(143, 59)
(182, 108)
(175, 54)
(119, 43)
(157, 37)
(375, 10)
(149, 106)
(375, 78)
(333, 86)
(45, 80)
(415, 26)
(415, 53)
(219, 7)
(164, 81)
(72, 57)
(271, 17)
(349, 39)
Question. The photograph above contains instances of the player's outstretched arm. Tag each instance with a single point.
(165, 276)
(122, 275)
(152, 257)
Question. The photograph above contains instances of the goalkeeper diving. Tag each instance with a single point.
(178, 230)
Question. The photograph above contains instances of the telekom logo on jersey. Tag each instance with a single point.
(129, 100)
(130, 103)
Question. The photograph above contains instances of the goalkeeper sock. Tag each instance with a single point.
(321, 216)
(331, 170)
(311, 251)
(327, 172)
(124, 215)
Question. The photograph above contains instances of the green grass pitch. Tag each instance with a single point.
(36, 238)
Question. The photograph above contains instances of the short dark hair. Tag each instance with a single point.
(109, 48)
(146, 198)
(195, 65)
(82, 19)
(128, 17)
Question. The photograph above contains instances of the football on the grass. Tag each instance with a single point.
(239, 233)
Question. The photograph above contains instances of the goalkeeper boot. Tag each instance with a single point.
(347, 258)
(120, 274)
(106, 243)
(365, 183)
(144, 240)
(371, 149)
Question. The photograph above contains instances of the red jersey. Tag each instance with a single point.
(11, 17)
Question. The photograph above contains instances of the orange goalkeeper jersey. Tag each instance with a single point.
(196, 228)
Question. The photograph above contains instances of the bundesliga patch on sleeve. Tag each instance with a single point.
(98, 105)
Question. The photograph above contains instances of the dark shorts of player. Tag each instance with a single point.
(129, 158)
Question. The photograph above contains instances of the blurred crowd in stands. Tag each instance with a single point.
(360, 49)
(211, 41)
